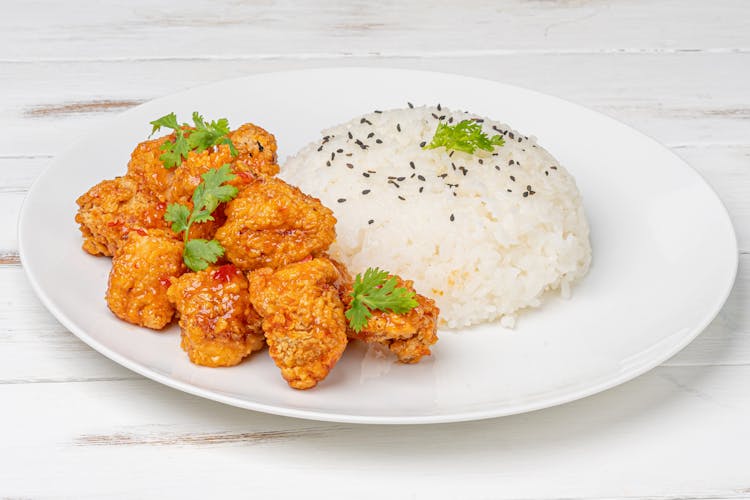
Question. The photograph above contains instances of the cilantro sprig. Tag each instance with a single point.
(465, 136)
(376, 290)
(199, 253)
(201, 136)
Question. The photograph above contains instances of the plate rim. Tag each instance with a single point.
(328, 416)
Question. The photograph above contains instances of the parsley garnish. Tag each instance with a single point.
(199, 138)
(464, 136)
(377, 291)
(199, 253)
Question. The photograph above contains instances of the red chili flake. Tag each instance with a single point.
(165, 281)
(224, 273)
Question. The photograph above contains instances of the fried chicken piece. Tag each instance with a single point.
(147, 169)
(272, 224)
(303, 318)
(141, 273)
(219, 325)
(256, 154)
(409, 335)
(112, 209)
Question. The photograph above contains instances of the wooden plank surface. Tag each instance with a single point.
(77, 425)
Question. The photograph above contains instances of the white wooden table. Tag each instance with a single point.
(74, 424)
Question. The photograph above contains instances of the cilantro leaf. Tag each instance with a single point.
(178, 215)
(464, 136)
(175, 151)
(201, 137)
(376, 290)
(169, 121)
(199, 253)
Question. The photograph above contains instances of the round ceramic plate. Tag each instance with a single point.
(665, 257)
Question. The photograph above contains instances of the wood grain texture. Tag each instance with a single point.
(630, 442)
(137, 30)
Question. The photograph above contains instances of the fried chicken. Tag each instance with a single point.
(112, 209)
(272, 224)
(141, 273)
(303, 318)
(256, 154)
(219, 325)
(409, 335)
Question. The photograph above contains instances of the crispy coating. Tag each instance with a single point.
(147, 169)
(303, 318)
(256, 150)
(272, 224)
(219, 325)
(410, 335)
(141, 274)
(109, 211)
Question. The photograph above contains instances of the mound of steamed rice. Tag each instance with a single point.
(485, 235)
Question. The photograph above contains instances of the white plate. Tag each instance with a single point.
(665, 257)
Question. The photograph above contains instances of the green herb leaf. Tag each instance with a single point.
(199, 253)
(178, 215)
(169, 121)
(464, 136)
(201, 137)
(375, 290)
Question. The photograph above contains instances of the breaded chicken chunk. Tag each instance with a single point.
(219, 325)
(256, 154)
(112, 209)
(409, 335)
(141, 273)
(272, 224)
(303, 318)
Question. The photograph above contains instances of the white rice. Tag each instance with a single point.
(470, 239)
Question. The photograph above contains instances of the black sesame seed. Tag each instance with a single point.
(478, 120)
(412, 176)
(366, 191)
(528, 187)
(442, 117)
(512, 178)
(349, 165)
(410, 104)
(421, 178)
(371, 220)
(401, 198)
(378, 111)
(509, 190)
(348, 154)
(481, 161)
(320, 148)
(333, 155)
(443, 176)
(341, 200)
(371, 135)
(372, 171)
(519, 139)
(532, 192)
(496, 129)
(365, 174)
(497, 168)
(400, 179)
(350, 135)
(439, 108)
(365, 120)
(434, 116)
(553, 167)
(511, 162)
(546, 173)
(411, 164)
(421, 188)
(510, 134)
(328, 164)
(339, 150)
(453, 218)
(451, 154)
(450, 120)
(525, 194)
(398, 127)
(378, 141)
